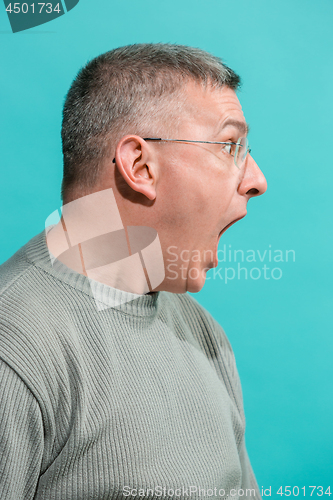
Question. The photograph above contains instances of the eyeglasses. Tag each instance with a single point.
(237, 149)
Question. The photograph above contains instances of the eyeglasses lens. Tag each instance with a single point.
(241, 151)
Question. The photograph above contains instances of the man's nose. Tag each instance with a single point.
(253, 182)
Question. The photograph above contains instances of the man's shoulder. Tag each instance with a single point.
(24, 285)
(31, 280)
(27, 295)
(14, 269)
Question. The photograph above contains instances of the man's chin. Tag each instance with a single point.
(187, 280)
(195, 284)
(195, 287)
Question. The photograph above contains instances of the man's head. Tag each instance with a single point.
(189, 192)
(130, 90)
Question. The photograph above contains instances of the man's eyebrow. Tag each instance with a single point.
(243, 127)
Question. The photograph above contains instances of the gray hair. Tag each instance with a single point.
(129, 90)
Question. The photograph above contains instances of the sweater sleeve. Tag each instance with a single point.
(21, 437)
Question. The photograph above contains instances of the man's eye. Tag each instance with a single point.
(229, 148)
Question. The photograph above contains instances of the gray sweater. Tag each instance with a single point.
(138, 400)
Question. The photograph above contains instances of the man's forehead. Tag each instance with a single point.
(218, 107)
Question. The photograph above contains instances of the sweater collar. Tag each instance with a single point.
(103, 295)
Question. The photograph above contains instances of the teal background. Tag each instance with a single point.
(281, 330)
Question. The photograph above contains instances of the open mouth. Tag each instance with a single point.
(215, 260)
(229, 225)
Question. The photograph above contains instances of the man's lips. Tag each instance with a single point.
(215, 260)
(229, 225)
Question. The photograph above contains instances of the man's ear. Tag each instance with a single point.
(135, 163)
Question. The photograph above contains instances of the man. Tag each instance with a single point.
(118, 383)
